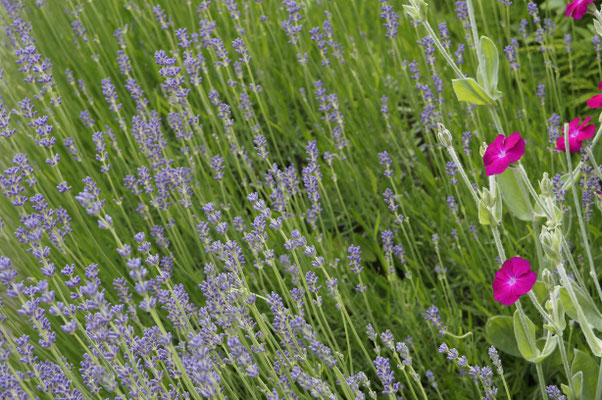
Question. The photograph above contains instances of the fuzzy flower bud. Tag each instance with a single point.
(444, 136)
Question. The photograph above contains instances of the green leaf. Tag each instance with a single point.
(467, 89)
(512, 195)
(592, 314)
(577, 380)
(583, 362)
(484, 214)
(487, 72)
(548, 347)
(540, 291)
(524, 338)
(500, 333)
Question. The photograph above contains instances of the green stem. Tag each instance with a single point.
(592, 269)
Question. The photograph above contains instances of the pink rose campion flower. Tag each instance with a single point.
(514, 279)
(596, 101)
(503, 151)
(577, 134)
(577, 8)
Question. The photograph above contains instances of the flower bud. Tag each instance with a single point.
(444, 136)
(488, 198)
(545, 185)
(483, 148)
(550, 241)
(416, 10)
(547, 278)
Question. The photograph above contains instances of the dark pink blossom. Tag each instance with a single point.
(502, 152)
(577, 134)
(596, 101)
(514, 279)
(577, 8)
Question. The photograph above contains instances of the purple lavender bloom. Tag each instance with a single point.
(414, 70)
(428, 45)
(510, 52)
(444, 33)
(554, 393)
(432, 316)
(5, 117)
(385, 161)
(292, 26)
(108, 90)
(391, 20)
(431, 379)
(568, 43)
(462, 14)
(495, 360)
(390, 200)
(79, 30)
(523, 28)
(354, 258)
(124, 62)
(384, 107)
(597, 46)
(452, 170)
(89, 197)
(541, 93)
(451, 204)
(261, 146)
(161, 17)
(466, 138)
(217, 164)
(534, 12)
(384, 373)
(553, 128)
(460, 54)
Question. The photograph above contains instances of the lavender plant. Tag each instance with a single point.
(295, 199)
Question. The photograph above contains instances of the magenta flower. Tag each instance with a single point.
(577, 134)
(596, 101)
(502, 152)
(577, 8)
(514, 279)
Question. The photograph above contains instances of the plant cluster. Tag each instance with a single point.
(297, 199)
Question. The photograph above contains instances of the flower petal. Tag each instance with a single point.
(570, 8)
(596, 101)
(500, 283)
(493, 150)
(515, 147)
(574, 124)
(587, 133)
(524, 283)
(518, 266)
(585, 122)
(507, 298)
(497, 166)
(574, 144)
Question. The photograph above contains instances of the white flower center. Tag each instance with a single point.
(502, 154)
(512, 281)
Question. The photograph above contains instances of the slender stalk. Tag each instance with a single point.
(592, 268)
